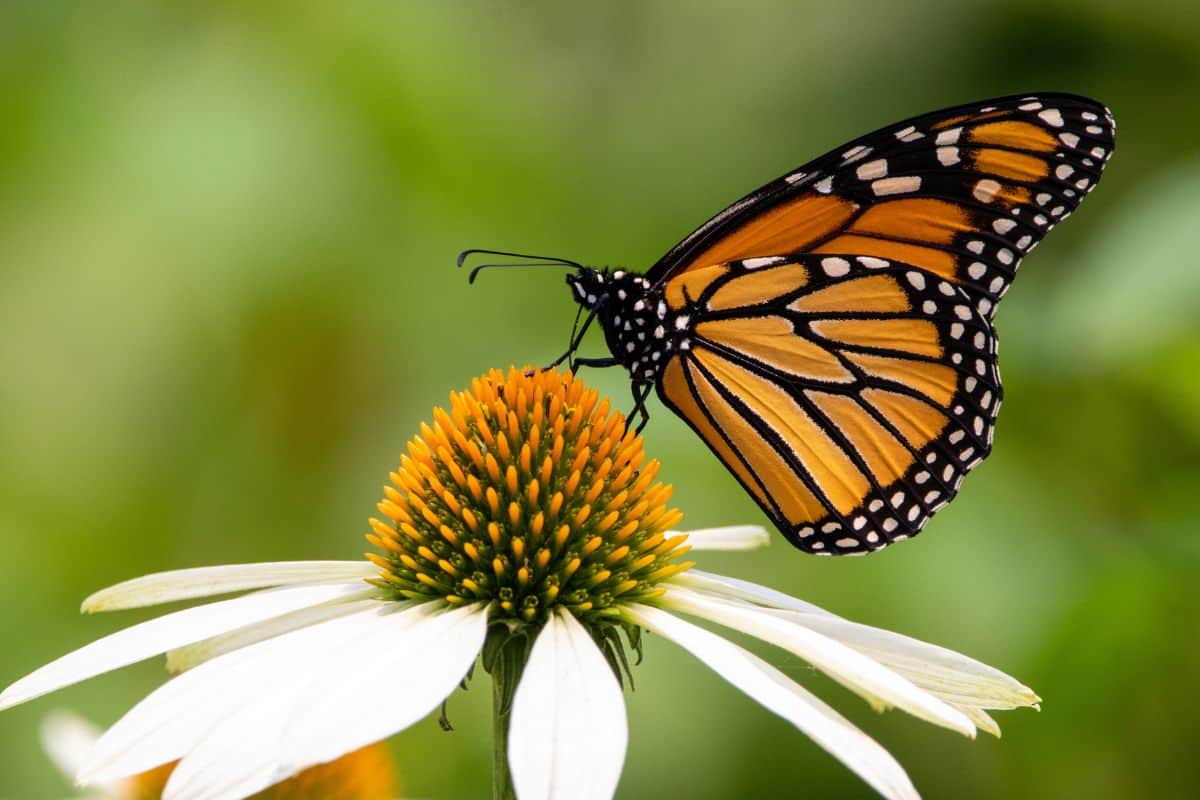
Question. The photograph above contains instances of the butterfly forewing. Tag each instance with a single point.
(849, 395)
(964, 193)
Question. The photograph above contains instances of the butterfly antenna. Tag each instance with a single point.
(528, 261)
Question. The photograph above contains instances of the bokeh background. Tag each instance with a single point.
(228, 297)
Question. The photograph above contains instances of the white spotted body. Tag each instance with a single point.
(639, 328)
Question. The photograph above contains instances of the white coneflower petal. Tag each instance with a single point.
(733, 537)
(568, 733)
(862, 675)
(178, 715)
(354, 698)
(953, 676)
(245, 751)
(981, 719)
(240, 756)
(188, 584)
(68, 739)
(190, 656)
(962, 682)
(738, 589)
(166, 633)
(779, 694)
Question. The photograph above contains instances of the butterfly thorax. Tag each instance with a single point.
(641, 330)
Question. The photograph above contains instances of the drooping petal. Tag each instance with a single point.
(241, 755)
(568, 733)
(981, 718)
(733, 537)
(247, 751)
(780, 694)
(952, 676)
(736, 589)
(187, 584)
(383, 683)
(189, 656)
(177, 716)
(847, 666)
(166, 633)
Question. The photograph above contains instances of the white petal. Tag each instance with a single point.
(952, 676)
(395, 659)
(187, 657)
(778, 693)
(68, 739)
(878, 684)
(384, 683)
(240, 757)
(187, 584)
(178, 715)
(246, 751)
(166, 633)
(742, 590)
(568, 734)
(734, 537)
(982, 720)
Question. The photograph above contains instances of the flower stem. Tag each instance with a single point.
(506, 672)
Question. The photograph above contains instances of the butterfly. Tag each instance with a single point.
(829, 336)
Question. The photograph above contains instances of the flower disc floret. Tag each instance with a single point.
(528, 493)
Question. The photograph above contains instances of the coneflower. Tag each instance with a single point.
(524, 528)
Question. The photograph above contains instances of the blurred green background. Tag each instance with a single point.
(227, 298)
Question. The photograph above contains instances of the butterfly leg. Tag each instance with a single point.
(577, 334)
(641, 391)
(599, 363)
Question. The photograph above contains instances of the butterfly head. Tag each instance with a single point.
(591, 287)
(633, 315)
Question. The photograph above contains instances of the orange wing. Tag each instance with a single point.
(848, 395)
(841, 360)
(963, 193)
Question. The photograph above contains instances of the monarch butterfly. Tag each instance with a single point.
(829, 336)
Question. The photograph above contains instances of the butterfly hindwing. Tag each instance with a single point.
(848, 394)
(963, 193)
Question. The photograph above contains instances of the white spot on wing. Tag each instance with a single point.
(948, 137)
(835, 267)
(985, 190)
(855, 153)
(1052, 117)
(947, 156)
(872, 169)
(886, 186)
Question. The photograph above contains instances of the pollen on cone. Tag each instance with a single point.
(529, 492)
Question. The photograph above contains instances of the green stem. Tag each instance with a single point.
(506, 672)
